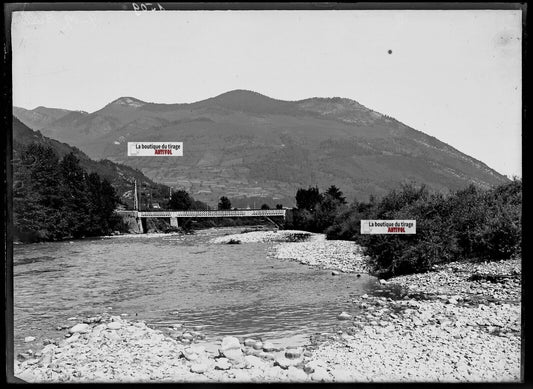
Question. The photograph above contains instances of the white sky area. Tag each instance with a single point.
(455, 75)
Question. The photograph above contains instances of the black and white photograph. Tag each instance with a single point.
(217, 193)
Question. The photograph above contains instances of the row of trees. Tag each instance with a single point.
(56, 198)
(181, 200)
(469, 224)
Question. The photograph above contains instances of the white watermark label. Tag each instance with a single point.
(151, 149)
(388, 226)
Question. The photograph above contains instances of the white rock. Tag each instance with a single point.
(296, 375)
(320, 375)
(114, 325)
(29, 339)
(222, 364)
(268, 347)
(249, 342)
(230, 343)
(344, 316)
(200, 367)
(81, 328)
(253, 361)
(234, 355)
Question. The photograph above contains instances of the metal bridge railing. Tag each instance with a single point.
(237, 213)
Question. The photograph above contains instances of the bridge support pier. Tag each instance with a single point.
(174, 222)
(140, 224)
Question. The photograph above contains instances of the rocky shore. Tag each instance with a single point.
(457, 323)
(449, 326)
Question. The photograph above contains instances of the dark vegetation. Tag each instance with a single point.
(120, 176)
(57, 198)
(467, 225)
(181, 200)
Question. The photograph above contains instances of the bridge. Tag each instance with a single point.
(174, 215)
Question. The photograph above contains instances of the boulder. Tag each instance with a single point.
(222, 364)
(249, 342)
(230, 343)
(282, 362)
(200, 367)
(253, 361)
(296, 375)
(234, 355)
(321, 375)
(81, 328)
(258, 345)
(268, 347)
(29, 339)
(293, 354)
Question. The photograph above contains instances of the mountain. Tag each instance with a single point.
(120, 176)
(246, 145)
(39, 117)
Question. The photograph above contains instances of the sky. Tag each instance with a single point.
(455, 75)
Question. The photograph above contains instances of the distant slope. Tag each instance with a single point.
(247, 145)
(120, 176)
(39, 117)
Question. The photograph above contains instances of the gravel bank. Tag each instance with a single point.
(111, 349)
(266, 236)
(448, 327)
(307, 248)
(338, 255)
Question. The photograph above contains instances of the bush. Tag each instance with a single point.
(470, 224)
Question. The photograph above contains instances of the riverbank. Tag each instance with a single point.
(458, 323)
(448, 327)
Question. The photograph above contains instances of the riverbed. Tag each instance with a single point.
(459, 322)
(240, 290)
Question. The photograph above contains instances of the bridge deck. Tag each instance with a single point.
(232, 213)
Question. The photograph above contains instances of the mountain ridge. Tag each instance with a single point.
(242, 143)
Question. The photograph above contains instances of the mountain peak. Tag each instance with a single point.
(128, 101)
(247, 100)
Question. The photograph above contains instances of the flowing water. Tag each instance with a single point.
(237, 290)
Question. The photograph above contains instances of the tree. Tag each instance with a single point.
(336, 194)
(73, 189)
(308, 198)
(265, 206)
(224, 203)
(181, 201)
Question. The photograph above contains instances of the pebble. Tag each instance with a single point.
(344, 316)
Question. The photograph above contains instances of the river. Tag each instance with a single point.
(235, 290)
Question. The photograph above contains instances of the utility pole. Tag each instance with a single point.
(135, 199)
